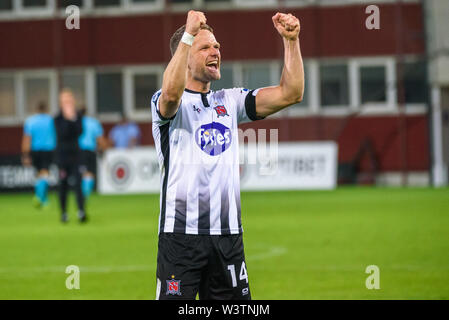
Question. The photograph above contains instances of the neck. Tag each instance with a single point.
(198, 86)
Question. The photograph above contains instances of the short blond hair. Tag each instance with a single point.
(66, 90)
(176, 37)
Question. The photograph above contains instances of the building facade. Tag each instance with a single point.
(367, 89)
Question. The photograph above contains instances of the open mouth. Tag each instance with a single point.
(212, 66)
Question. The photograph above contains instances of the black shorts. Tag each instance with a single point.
(88, 161)
(41, 159)
(212, 266)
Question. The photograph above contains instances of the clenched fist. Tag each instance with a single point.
(195, 19)
(287, 25)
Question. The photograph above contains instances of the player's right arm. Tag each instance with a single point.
(26, 148)
(26, 145)
(174, 79)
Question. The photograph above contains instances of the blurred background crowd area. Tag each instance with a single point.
(381, 94)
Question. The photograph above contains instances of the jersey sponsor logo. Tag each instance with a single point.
(213, 138)
(221, 111)
(196, 109)
(173, 287)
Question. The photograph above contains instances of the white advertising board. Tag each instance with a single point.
(299, 166)
(129, 171)
(289, 166)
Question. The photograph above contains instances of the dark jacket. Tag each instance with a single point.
(67, 133)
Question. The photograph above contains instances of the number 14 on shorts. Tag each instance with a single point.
(243, 275)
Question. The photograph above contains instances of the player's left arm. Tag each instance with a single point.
(290, 90)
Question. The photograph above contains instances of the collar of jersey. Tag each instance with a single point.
(197, 92)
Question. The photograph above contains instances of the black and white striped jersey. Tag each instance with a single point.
(198, 152)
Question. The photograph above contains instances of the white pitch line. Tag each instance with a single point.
(272, 252)
(90, 269)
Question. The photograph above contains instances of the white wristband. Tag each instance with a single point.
(187, 38)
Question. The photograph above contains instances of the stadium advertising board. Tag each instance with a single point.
(16, 177)
(296, 166)
(287, 166)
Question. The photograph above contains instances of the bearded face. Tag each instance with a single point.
(204, 58)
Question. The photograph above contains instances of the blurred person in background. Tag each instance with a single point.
(68, 124)
(90, 141)
(125, 134)
(200, 249)
(38, 144)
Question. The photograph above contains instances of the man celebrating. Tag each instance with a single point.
(200, 246)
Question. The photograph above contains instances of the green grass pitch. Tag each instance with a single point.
(299, 245)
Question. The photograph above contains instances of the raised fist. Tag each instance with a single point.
(287, 25)
(195, 19)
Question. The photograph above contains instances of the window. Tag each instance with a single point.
(415, 84)
(106, 3)
(227, 78)
(334, 85)
(145, 85)
(76, 83)
(34, 3)
(66, 3)
(109, 92)
(256, 76)
(37, 91)
(373, 84)
(5, 5)
(140, 84)
(143, 5)
(142, 1)
(7, 96)
(256, 2)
